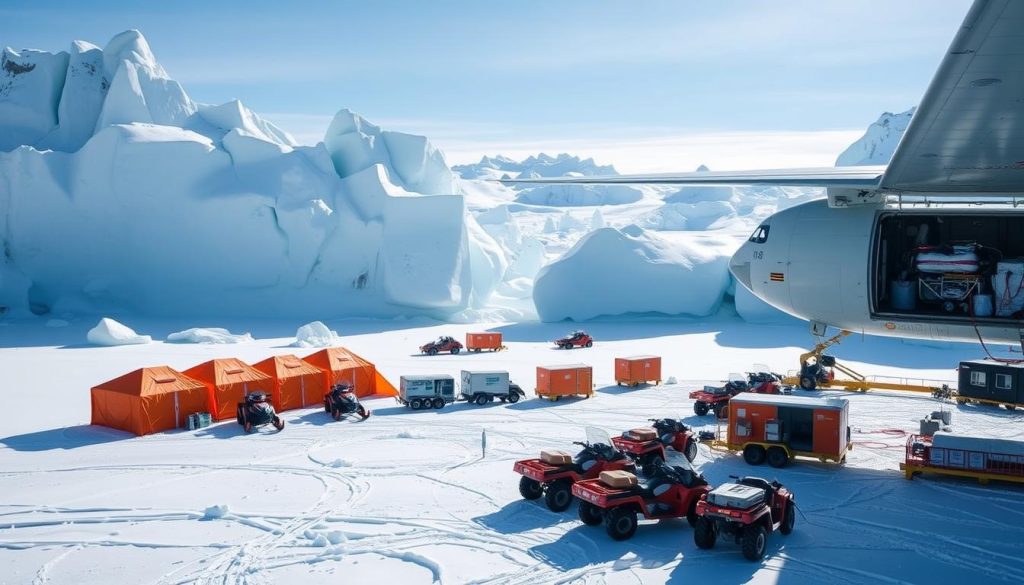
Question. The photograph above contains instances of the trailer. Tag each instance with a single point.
(433, 391)
(484, 387)
(991, 382)
(477, 342)
(636, 370)
(981, 458)
(777, 428)
(554, 382)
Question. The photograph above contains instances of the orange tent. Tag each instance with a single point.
(341, 365)
(147, 400)
(296, 383)
(228, 381)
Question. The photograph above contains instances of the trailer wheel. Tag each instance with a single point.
(700, 408)
(530, 489)
(558, 496)
(620, 523)
(480, 399)
(691, 450)
(753, 454)
(704, 535)
(721, 407)
(790, 519)
(808, 383)
(477, 350)
(590, 514)
(439, 403)
(777, 457)
(415, 404)
(754, 542)
(513, 397)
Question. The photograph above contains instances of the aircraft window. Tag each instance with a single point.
(760, 235)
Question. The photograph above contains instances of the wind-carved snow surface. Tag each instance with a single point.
(150, 202)
(879, 143)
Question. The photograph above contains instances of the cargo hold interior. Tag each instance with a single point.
(966, 267)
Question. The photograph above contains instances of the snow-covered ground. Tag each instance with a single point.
(410, 497)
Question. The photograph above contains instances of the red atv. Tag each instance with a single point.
(647, 445)
(716, 398)
(575, 339)
(443, 343)
(554, 473)
(748, 511)
(617, 498)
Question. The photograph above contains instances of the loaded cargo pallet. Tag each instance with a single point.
(980, 458)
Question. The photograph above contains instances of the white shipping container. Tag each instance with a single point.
(976, 460)
(495, 383)
(425, 387)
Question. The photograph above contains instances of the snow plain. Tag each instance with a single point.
(410, 497)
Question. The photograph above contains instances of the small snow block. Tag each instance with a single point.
(642, 434)
(618, 479)
(555, 457)
(735, 495)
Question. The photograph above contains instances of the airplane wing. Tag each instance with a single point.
(866, 178)
(968, 133)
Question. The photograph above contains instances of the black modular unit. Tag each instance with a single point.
(989, 380)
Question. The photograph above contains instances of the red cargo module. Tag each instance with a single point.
(636, 370)
(553, 382)
(777, 428)
(480, 341)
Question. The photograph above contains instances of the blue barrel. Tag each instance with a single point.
(904, 295)
(982, 305)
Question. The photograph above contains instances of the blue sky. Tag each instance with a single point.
(659, 85)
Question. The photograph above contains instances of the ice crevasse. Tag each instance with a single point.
(119, 191)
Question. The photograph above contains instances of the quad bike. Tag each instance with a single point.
(554, 473)
(575, 339)
(443, 343)
(764, 382)
(256, 412)
(748, 511)
(341, 402)
(617, 498)
(716, 398)
(647, 446)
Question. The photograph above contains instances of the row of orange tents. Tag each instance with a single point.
(149, 400)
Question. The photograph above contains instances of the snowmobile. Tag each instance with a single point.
(256, 412)
(616, 498)
(341, 402)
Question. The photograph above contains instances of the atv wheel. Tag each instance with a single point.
(620, 523)
(777, 457)
(278, 423)
(455, 350)
(481, 399)
(558, 496)
(530, 489)
(513, 397)
(790, 520)
(247, 426)
(590, 514)
(415, 404)
(691, 514)
(691, 450)
(336, 414)
(327, 405)
(719, 408)
(589, 344)
(700, 408)
(439, 403)
(432, 351)
(753, 454)
(240, 416)
(754, 542)
(704, 535)
(808, 383)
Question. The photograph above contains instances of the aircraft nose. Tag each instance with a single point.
(739, 265)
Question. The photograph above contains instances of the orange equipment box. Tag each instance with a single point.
(569, 380)
(636, 370)
(803, 426)
(480, 341)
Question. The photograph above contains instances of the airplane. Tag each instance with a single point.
(854, 260)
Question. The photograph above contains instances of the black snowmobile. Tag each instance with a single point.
(257, 412)
(341, 402)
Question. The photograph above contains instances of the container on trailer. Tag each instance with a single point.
(481, 341)
(805, 426)
(494, 383)
(426, 388)
(567, 380)
(640, 369)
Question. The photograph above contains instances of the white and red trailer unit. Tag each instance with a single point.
(982, 458)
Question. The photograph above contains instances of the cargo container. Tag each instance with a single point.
(991, 382)
(776, 428)
(636, 370)
(432, 391)
(477, 342)
(982, 458)
(484, 387)
(553, 382)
